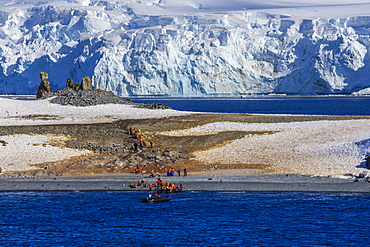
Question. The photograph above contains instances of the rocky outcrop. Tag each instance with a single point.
(44, 87)
(367, 158)
(44, 90)
(153, 106)
(86, 84)
(84, 95)
(88, 98)
(72, 85)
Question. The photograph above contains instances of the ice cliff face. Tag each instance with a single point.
(233, 53)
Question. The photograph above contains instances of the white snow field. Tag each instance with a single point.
(187, 47)
(321, 148)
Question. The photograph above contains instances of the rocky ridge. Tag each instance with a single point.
(97, 97)
(76, 94)
(88, 98)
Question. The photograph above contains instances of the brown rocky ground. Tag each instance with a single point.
(114, 148)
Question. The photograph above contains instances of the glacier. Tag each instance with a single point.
(183, 48)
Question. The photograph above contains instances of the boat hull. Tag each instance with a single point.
(156, 200)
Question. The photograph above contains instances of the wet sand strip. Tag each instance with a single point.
(195, 183)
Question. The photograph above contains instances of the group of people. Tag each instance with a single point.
(171, 172)
(137, 169)
(139, 183)
(159, 186)
(165, 187)
(153, 196)
(137, 134)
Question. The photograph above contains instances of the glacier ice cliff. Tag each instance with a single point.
(212, 54)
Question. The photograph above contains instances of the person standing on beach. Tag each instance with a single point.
(151, 143)
(185, 172)
(136, 146)
(137, 169)
(179, 172)
(141, 143)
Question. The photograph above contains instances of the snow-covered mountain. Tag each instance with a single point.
(187, 47)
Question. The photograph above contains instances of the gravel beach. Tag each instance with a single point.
(236, 183)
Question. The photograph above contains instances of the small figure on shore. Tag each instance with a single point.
(141, 143)
(133, 185)
(151, 143)
(152, 174)
(179, 172)
(170, 172)
(185, 172)
(137, 169)
(136, 146)
(141, 182)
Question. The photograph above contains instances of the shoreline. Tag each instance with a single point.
(228, 183)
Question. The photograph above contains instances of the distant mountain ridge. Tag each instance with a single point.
(208, 54)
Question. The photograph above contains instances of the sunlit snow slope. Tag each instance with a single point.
(187, 47)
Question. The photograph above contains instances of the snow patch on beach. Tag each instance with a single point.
(38, 112)
(21, 152)
(312, 148)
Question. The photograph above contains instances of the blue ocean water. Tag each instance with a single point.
(270, 105)
(190, 219)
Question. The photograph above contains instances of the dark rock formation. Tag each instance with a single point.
(44, 87)
(153, 106)
(84, 95)
(86, 84)
(89, 98)
(367, 158)
(72, 85)
(97, 97)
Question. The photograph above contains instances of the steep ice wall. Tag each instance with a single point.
(232, 53)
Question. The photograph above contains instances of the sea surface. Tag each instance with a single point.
(333, 105)
(190, 219)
